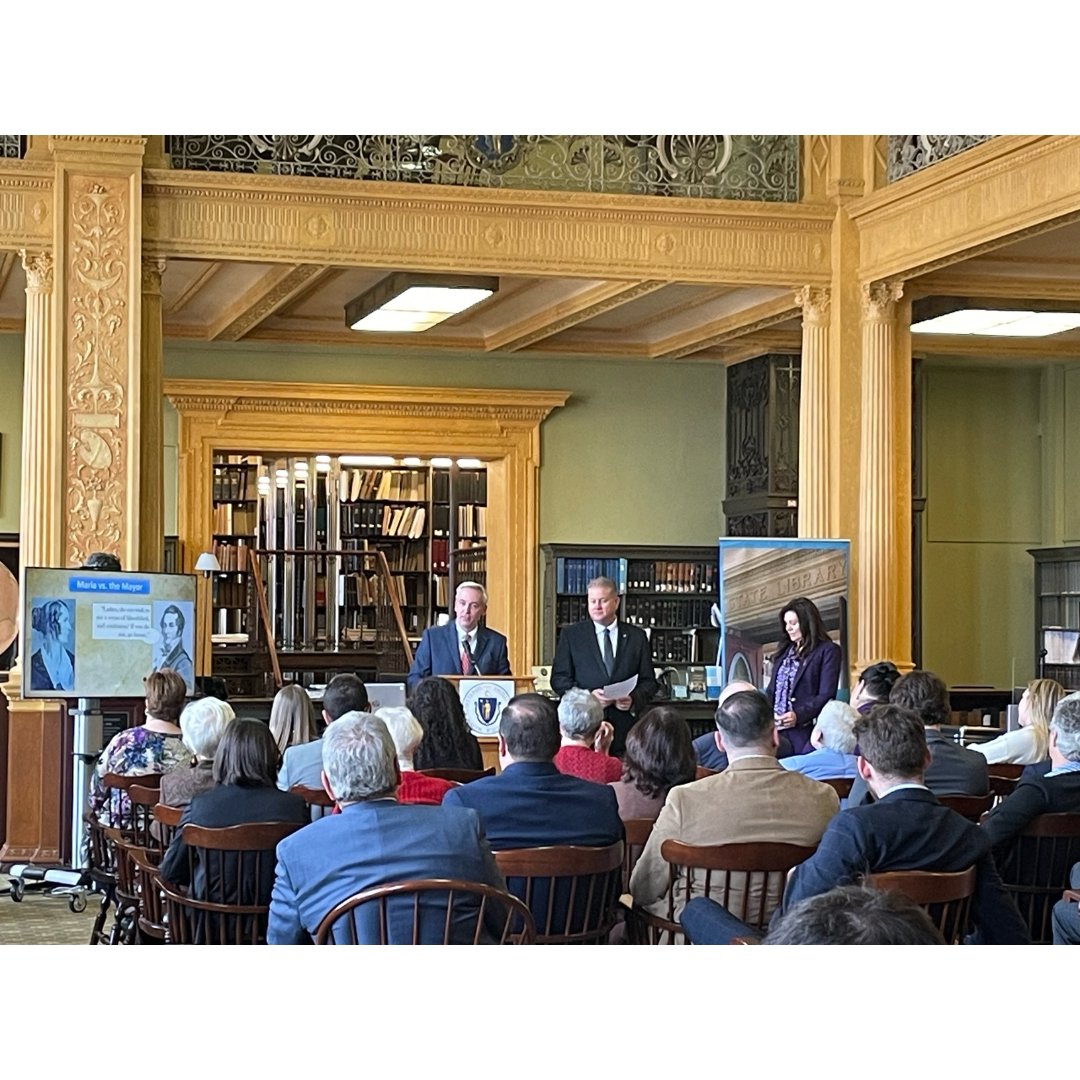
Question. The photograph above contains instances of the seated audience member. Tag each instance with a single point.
(874, 685)
(846, 915)
(202, 724)
(292, 718)
(952, 770)
(1057, 792)
(1029, 744)
(155, 746)
(707, 748)
(406, 733)
(659, 756)
(375, 840)
(905, 829)
(1066, 918)
(243, 793)
(448, 743)
(586, 739)
(834, 745)
(530, 803)
(302, 765)
(752, 800)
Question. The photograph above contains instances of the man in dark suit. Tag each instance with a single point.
(602, 650)
(530, 803)
(905, 829)
(953, 770)
(461, 647)
(375, 840)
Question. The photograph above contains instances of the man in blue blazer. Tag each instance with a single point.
(905, 829)
(602, 650)
(461, 647)
(375, 841)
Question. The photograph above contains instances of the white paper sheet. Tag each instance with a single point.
(620, 689)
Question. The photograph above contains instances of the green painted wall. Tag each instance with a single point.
(988, 479)
(11, 395)
(636, 456)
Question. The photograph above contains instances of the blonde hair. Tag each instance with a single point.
(1043, 696)
(292, 718)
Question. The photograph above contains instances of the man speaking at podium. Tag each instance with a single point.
(461, 647)
(603, 650)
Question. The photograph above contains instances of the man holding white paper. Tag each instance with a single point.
(609, 657)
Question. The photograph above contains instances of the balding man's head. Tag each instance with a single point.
(736, 687)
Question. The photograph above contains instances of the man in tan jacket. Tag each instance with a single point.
(751, 801)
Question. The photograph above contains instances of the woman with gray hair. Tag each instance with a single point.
(202, 724)
(586, 739)
(407, 734)
(833, 739)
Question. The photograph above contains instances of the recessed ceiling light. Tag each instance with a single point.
(1000, 323)
(410, 303)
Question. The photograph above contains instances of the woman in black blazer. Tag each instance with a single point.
(806, 672)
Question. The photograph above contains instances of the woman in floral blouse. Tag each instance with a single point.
(154, 747)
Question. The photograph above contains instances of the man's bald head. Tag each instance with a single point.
(736, 687)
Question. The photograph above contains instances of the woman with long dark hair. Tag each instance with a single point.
(806, 672)
(448, 743)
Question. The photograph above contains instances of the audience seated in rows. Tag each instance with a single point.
(202, 724)
(375, 840)
(448, 743)
(530, 803)
(1056, 792)
(952, 770)
(707, 748)
(155, 746)
(846, 915)
(1030, 743)
(302, 765)
(244, 792)
(753, 800)
(874, 685)
(586, 739)
(659, 756)
(292, 718)
(833, 741)
(905, 829)
(407, 734)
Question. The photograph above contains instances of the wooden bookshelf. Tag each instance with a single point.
(1057, 614)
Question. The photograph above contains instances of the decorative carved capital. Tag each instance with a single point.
(814, 301)
(152, 269)
(39, 269)
(879, 299)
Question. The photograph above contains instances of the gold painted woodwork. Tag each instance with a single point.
(405, 226)
(26, 204)
(277, 287)
(502, 427)
(992, 194)
(814, 468)
(151, 425)
(726, 328)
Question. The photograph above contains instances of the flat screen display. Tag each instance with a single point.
(95, 633)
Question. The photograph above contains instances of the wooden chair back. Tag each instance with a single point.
(151, 917)
(231, 871)
(971, 807)
(318, 801)
(167, 821)
(701, 772)
(572, 891)
(444, 911)
(1006, 770)
(458, 776)
(1036, 868)
(638, 831)
(748, 879)
(1003, 779)
(144, 798)
(946, 897)
(840, 784)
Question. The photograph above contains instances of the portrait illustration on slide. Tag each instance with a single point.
(52, 661)
(175, 622)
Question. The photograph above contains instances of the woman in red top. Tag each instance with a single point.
(586, 739)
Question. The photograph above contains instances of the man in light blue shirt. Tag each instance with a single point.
(833, 740)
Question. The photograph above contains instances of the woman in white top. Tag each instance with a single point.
(1028, 744)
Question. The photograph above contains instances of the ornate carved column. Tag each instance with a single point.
(34, 764)
(878, 490)
(814, 414)
(151, 468)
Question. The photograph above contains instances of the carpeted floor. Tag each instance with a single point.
(41, 919)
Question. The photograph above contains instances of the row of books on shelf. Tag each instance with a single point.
(1060, 610)
(686, 611)
(372, 590)
(1057, 577)
(233, 480)
(471, 520)
(674, 647)
(367, 519)
(440, 555)
(230, 519)
(355, 485)
(572, 575)
(470, 486)
(671, 576)
(1066, 674)
(232, 557)
(230, 593)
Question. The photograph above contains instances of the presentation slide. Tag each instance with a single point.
(94, 633)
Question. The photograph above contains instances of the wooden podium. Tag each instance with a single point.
(475, 692)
